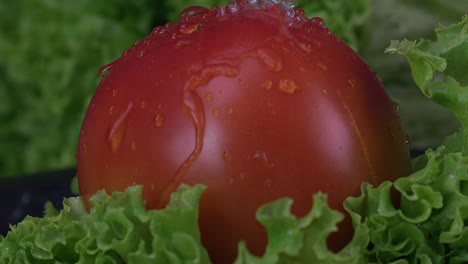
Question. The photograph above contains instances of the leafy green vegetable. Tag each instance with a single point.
(118, 229)
(51, 52)
(425, 122)
(349, 19)
(430, 224)
(303, 240)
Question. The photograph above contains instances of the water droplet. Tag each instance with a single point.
(229, 110)
(192, 11)
(352, 82)
(85, 147)
(138, 41)
(141, 54)
(133, 146)
(82, 131)
(287, 86)
(407, 139)
(143, 104)
(117, 132)
(264, 159)
(104, 70)
(322, 66)
(159, 120)
(110, 111)
(305, 47)
(114, 92)
(396, 106)
(215, 112)
(191, 28)
(209, 97)
(318, 21)
(325, 91)
(270, 59)
(182, 43)
(267, 85)
(227, 156)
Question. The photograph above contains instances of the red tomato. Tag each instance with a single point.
(255, 102)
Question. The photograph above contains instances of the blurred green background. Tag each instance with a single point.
(51, 50)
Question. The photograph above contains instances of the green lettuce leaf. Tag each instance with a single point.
(430, 223)
(303, 240)
(118, 229)
(348, 19)
(439, 70)
(51, 52)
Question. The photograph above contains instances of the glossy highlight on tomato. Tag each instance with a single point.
(253, 100)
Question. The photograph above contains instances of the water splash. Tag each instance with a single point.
(238, 5)
(270, 59)
(193, 108)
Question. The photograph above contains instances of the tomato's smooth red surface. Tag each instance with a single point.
(255, 103)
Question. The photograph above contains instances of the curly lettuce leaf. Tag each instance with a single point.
(430, 223)
(118, 229)
(439, 70)
(303, 240)
(51, 52)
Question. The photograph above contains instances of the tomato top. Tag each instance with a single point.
(253, 100)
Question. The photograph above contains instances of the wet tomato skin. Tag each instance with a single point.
(255, 103)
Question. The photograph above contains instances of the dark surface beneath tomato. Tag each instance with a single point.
(27, 194)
